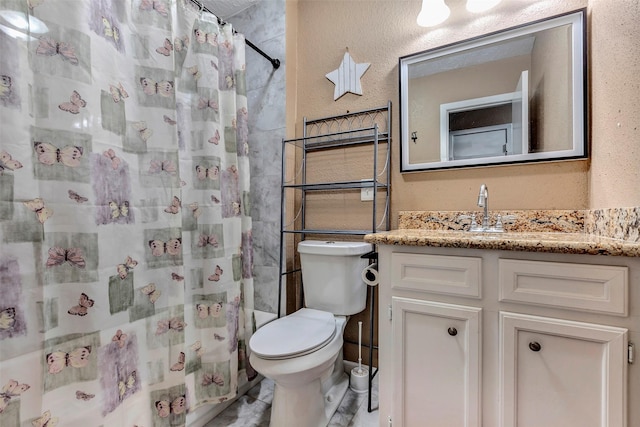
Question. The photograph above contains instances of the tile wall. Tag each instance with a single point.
(264, 25)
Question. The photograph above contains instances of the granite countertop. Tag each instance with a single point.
(565, 243)
(612, 233)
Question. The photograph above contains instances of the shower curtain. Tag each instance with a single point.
(126, 253)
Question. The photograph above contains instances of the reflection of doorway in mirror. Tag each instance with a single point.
(489, 126)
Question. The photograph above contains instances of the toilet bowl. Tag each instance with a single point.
(307, 371)
(302, 352)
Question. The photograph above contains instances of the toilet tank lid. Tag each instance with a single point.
(322, 247)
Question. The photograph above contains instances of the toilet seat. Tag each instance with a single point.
(297, 334)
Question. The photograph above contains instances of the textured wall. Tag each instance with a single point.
(615, 103)
(264, 25)
(379, 32)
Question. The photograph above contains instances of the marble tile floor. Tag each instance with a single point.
(254, 409)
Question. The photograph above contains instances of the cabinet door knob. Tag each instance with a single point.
(535, 346)
(452, 331)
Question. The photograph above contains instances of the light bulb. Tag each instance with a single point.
(433, 12)
(476, 6)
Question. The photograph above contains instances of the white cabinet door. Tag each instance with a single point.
(559, 373)
(436, 364)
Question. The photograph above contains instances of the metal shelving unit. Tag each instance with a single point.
(368, 128)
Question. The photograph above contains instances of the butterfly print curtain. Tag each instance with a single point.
(126, 287)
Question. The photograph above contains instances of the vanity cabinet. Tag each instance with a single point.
(561, 373)
(477, 338)
(439, 373)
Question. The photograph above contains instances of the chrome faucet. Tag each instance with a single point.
(483, 202)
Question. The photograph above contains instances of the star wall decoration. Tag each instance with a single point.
(347, 77)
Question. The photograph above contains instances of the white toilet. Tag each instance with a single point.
(302, 352)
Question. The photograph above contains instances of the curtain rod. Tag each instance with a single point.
(274, 61)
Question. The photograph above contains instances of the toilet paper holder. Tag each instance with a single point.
(370, 275)
(373, 258)
(373, 255)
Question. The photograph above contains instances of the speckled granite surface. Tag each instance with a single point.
(617, 223)
(564, 221)
(566, 243)
(612, 232)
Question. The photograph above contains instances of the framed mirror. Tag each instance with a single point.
(513, 96)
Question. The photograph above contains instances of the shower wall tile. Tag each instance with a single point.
(258, 239)
(268, 101)
(266, 152)
(266, 244)
(264, 21)
(266, 198)
(271, 246)
(264, 72)
(266, 297)
(267, 147)
(264, 25)
(256, 164)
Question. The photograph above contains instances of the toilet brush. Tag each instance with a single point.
(359, 376)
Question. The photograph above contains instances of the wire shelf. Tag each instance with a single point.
(366, 127)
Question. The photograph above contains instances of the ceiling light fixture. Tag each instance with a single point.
(433, 12)
(476, 6)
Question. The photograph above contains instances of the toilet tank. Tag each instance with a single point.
(332, 275)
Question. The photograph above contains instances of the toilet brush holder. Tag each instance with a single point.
(359, 380)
